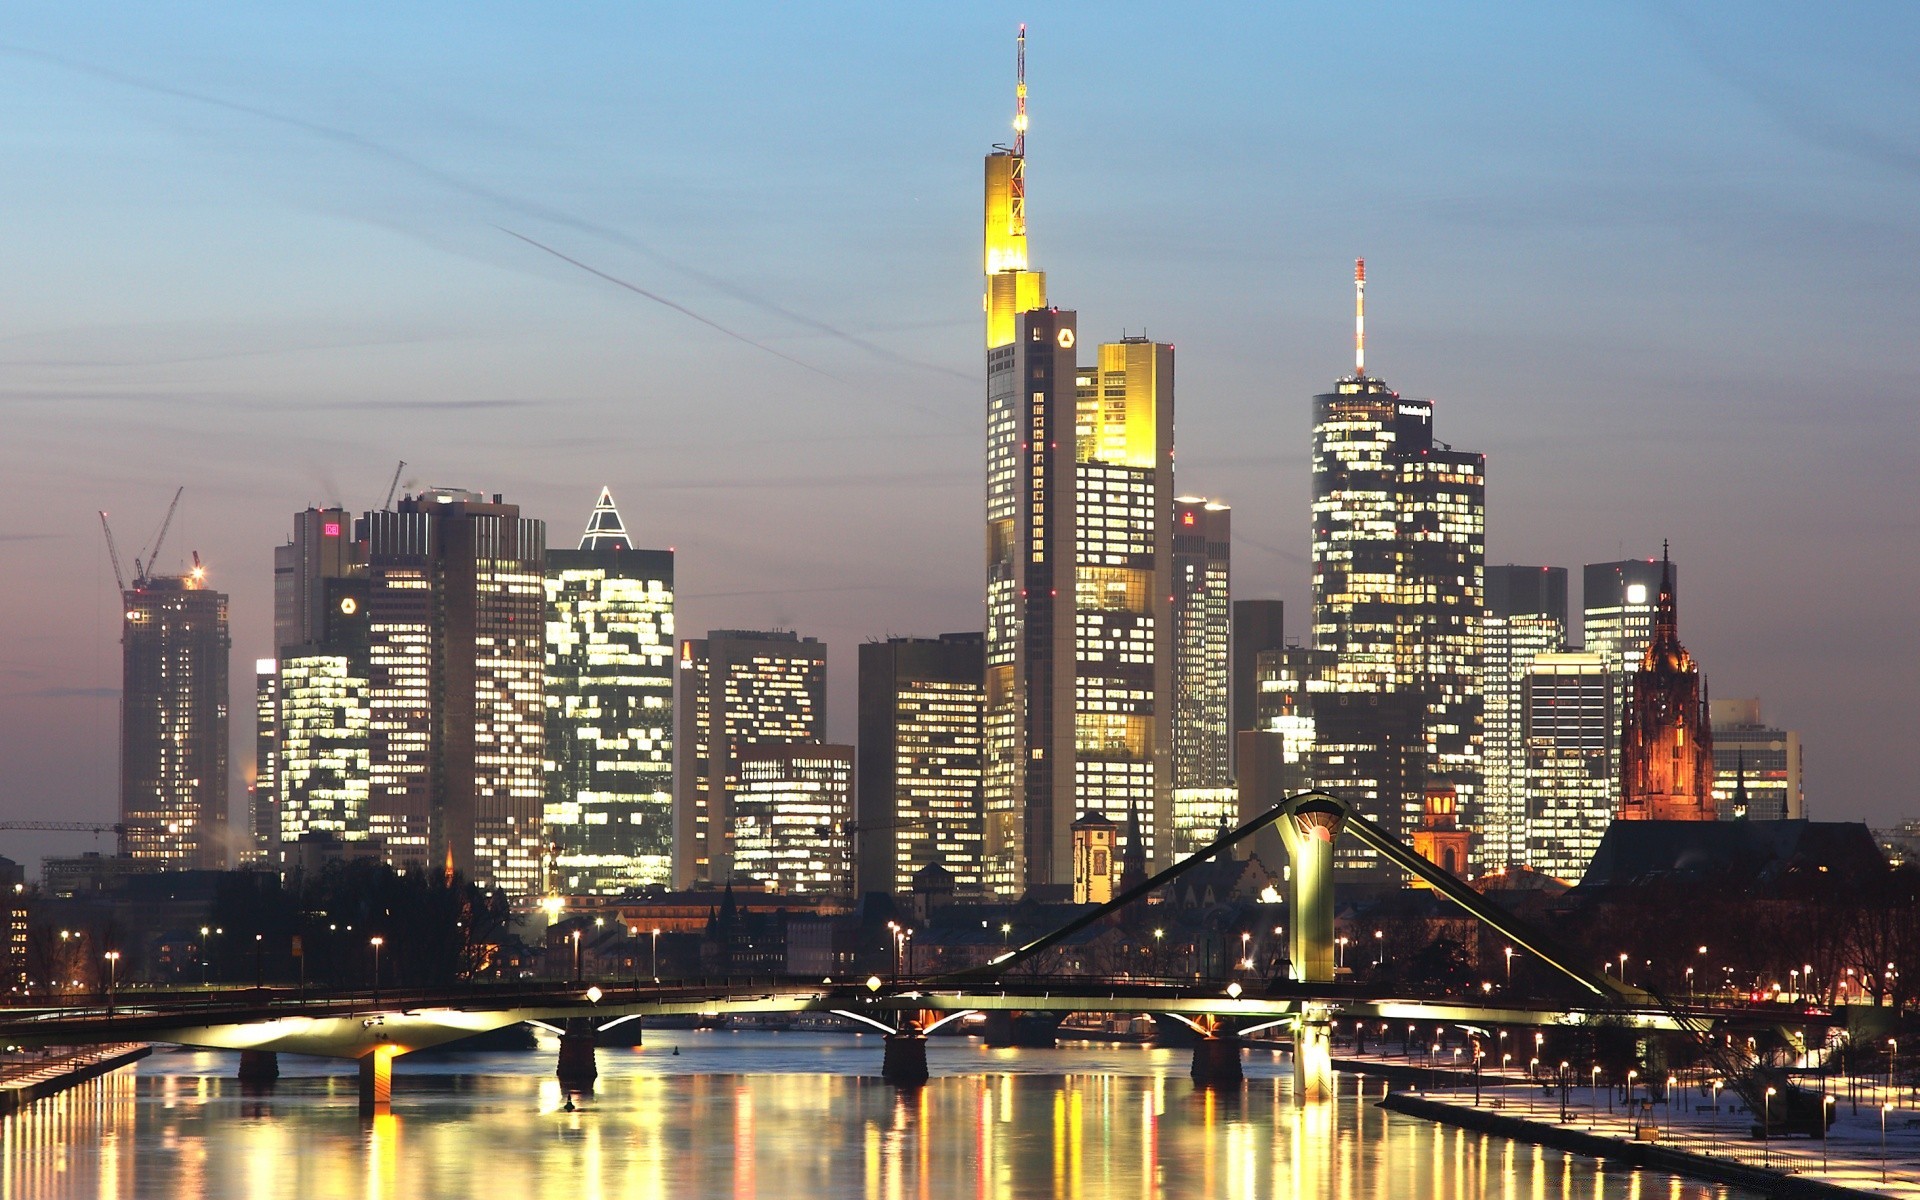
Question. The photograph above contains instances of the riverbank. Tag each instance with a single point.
(24, 1081)
(1848, 1164)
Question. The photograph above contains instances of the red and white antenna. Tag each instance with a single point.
(1020, 94)
(1360, 318)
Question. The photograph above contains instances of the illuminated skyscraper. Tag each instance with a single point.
(1666, 743)
(919, 788)
(326, 724)
(738, 688)
(1756, 761)
(1619, 599)
(1079, 565)
(1399, 551)
(456, 629)
(1201, 622)
(173, 722)
(1526, 617)
(792, 805)
(1567, 724)
(263, 815)
(609, 694)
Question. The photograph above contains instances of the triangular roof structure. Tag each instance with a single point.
(604, 528)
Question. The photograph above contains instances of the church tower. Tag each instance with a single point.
(1666, 742)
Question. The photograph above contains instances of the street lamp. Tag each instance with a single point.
(1623, 968)
(576, 955)
(656, 954)
(1379, 946)
(1593, 1096)
(204, 948)
(1340, 946)
(113, 977)
(1766, 1129)
(1246, 951)
(1715, 1140)
(1157, 965)
(1884, 1106)
(1509, 953)
(376, 943)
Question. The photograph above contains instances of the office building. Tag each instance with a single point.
(1201, 624)
(791, 809)
(456, 628)
(263, 815)
(922, 703)
(609, 711)
(1567, 705)
(737, 688)
(1398, 559)
(1526, 617)
(1666, 742)
(1079, 637)
(1258, 626)
(173, 722)
(1756, 767)
(326, 726)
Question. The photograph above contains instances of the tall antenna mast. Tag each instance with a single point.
(1017, 181)
(1359, 318)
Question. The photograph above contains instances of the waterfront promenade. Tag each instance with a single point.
(27, 1076)
(1873, 1147)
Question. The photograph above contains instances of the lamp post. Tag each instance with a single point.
(204, 948)
(376, 943)
(1340, 948)
(113, 977)
(1623, 969)
(1689, 985)
(1766, 1129)
(655, 959)
(1670, 1083)
(1714, 1142)
(1533, 1076)
(1566, 1082)
(1159, 966)
(1509, 953)
(1379, 946)
(1593, 1097)
(1884, 1106)
(576, 955)
(1246, 950)
(1893, 1051)
(1826, 1105)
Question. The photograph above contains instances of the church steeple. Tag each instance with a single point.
(604, 528)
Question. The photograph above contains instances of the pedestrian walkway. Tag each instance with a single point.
(27, 1076)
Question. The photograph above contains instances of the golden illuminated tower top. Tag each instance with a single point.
(1011, 288)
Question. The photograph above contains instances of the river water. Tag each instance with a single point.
(763, 1114)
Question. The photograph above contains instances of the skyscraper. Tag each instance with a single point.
(1666, 743)
(1201, 625)
(1399, 551)
(792, 805)
(457, 610)
(263, 815)
(921, 761)
(1618, 599)
(737, 688)
(609, 714)
(1079, 562)
(1567, 724)
(1754, 760)
(1258, 626)
(1526, 617)
(173, 721)
(326, 724)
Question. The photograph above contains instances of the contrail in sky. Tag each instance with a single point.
(657, 298)
(366, 145)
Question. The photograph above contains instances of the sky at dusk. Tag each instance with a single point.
(1657, 261)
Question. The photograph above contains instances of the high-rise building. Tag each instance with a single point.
(326, 726)
(1666, 742)
(1258, 626)
(1399, 551)
(322, 547)
(1079, 636)
(173, 721)
(737, 688)
(792, 805)
(1201, 624)
(1756, 768)
(1526, 617)
(1619, 600)
(1567, 704)
(921, 761)
(263, 815)
(609, 716)
(456, 628)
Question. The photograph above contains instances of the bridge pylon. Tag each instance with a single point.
(579, 1064)
(376, 1080)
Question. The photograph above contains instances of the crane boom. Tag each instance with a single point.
(113, 553)
(64, 826)
(153, 554)
(394, 486)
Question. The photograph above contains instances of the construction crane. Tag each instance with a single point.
(143, 573)
(64, 827)
(113, 553)
(394, 486)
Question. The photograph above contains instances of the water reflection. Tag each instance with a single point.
(1103, 1122)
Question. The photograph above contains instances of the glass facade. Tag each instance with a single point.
(1756, 761)
(792, 807)
(1567, 710)
(1526, 617)
(921, 761)
(1202, 615)
(173, 713)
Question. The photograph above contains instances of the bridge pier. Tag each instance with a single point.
(1216, 1061)
(259, 1068)
(578, 1066)
(905, 1064)
(1312, 1057)
(376, 1080)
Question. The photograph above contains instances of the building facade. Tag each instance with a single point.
(1567, 715)
(921, 762)
(1757, 774)
(737, 688)
(1202, 624)
(792, 809)
(456, 629)
(609, 711)
(1526, 617)
(1258, 626)
(174, 647)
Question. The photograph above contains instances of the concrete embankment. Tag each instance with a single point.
(1640, 1154)
(23, 1083)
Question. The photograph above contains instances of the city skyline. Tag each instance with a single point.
(892, 466)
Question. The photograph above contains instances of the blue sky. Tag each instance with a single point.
(1656, 260)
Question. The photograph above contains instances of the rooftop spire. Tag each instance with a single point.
(1666, 616)
(1020, 93)
(604, 528)
(1359, 318)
